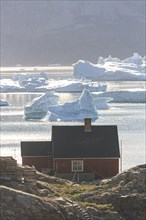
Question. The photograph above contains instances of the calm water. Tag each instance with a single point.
(130, 119)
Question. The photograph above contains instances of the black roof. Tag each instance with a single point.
(35, 148)
(73, 142)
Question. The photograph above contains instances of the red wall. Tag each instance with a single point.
(101, 167)
(37, 162)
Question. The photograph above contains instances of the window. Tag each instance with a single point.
(77, 165)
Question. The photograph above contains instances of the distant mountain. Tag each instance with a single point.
(44, 32)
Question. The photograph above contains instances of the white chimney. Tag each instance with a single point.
(87, 125)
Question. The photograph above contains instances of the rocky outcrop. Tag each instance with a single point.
(19, 205)
(122, 197)
(126, 192)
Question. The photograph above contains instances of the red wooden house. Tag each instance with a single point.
(37, 154)
(83, 152)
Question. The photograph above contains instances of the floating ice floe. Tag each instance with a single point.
(144, 59)
(125, 96)
(101, 103)
(111, 69)
(34, 83)
(9, 85)
(3, 102)
(40, 105)
(84, 107)
(102, 60)
(47, 106)
(74, 86)
(20, 77)
(44, 75)
(40, 83)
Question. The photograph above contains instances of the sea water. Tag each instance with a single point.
(129, 117)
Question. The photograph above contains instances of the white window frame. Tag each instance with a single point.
(77, 163)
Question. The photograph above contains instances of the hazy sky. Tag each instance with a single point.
(44, 32)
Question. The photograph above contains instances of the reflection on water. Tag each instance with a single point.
(22, 99)
(130, 119)
(126, 85)
(19, 99)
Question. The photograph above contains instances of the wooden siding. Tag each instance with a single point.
(102, 168)
(38, 162)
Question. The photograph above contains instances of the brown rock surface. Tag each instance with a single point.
(122, 197)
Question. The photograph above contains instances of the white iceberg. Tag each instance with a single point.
(83, 107)
(111, 69)
(3, 102)
(9, 85)
(101, 103)
(40, 105)
(44, 75)
(144, 59)
(86, 69)
(102, 60)
(26, 83)
(47, 105)
(136, 59)
(20, 77)
(33, 83)
(75, 86)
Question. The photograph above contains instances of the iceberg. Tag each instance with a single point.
(3, 102)
(83, 107)
(80, 86)
(40, 83)
(9, 85)
(33, 83)
(101, 103)
(102, 60)
(20, 77)
(111, 69)
(40, 105)
(144, 59)
(136, 59)
(86, 69)
(44, 75)
(47, 106)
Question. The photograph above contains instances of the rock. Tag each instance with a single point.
(26, 206)
(122, 197)
(126, 192)
(44, 192)
(132, 206)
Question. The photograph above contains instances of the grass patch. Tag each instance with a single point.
(71, 191)
(100, 207)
